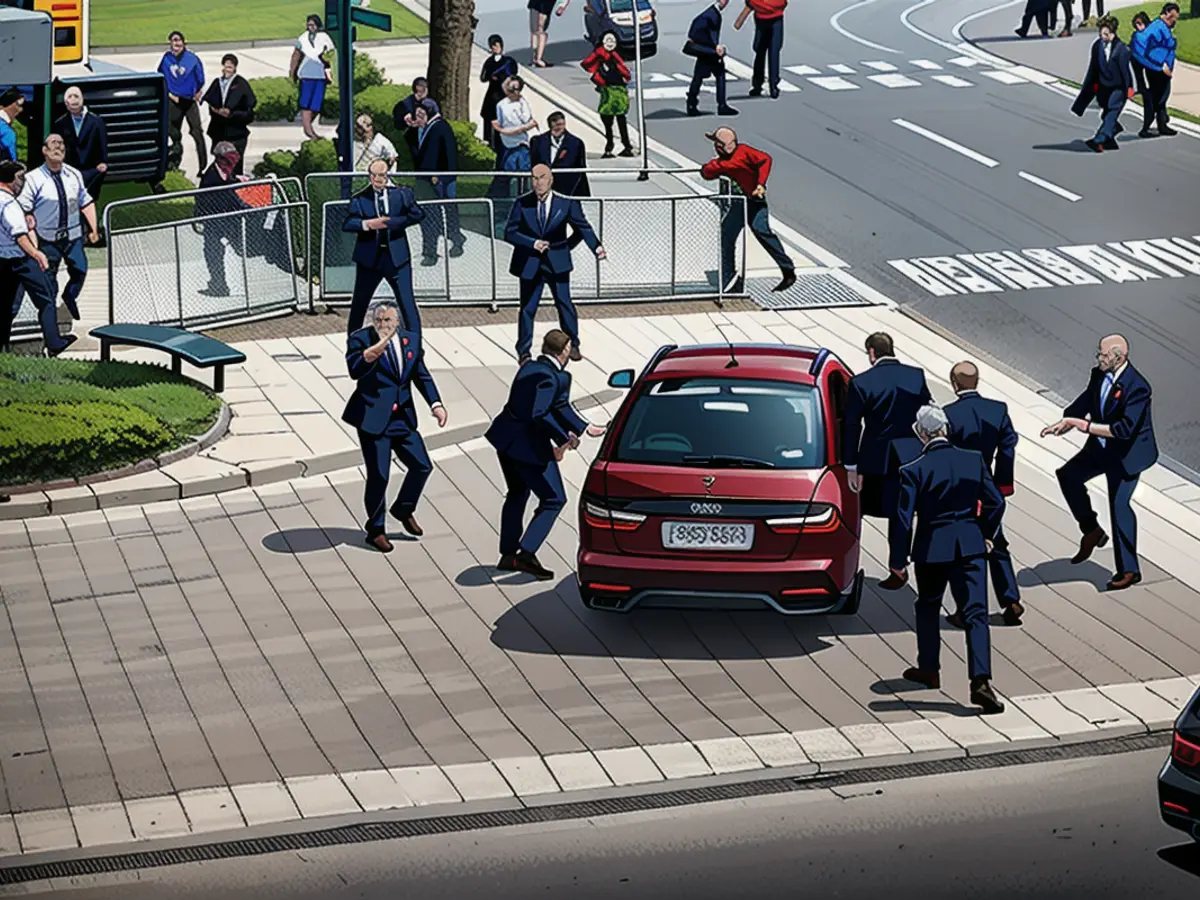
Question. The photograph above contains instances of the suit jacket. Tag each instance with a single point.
(523, 229)
(88, 148)
(956, 504)
(704, 35)
(381, 394)
(538, 414)
(406, 107)
(241, 102)
(1132, 448)
(571, 155)
(437, 151)
(983, 425)
(1104, 78)
(881, 407)
(403, 211)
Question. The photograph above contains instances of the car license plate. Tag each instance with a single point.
(707, 536)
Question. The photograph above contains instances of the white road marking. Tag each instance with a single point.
(880, 66)
(894, 81)
(926, 64)
(835, 22)
(659, 77)
(953, 81)
(967, 62)
(1032, 75)
(834, 83)
(803, 70)
(1051, 187)
(741, 70)
(669, 93)
(947, 143)
(686, 79)
(956, 31)
(841, 69)
(1004, 77)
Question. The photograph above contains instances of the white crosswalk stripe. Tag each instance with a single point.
(841, 69)
(659, 77)
(803, 70)
(686, 79)
(953, 81)
(894, 80)
(834, 83)
(880, 66)
(967, 62)
(1004, 77)
(926, 64)
(741, 70)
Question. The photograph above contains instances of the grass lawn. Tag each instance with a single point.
(1187, 31)
(132, 23)
(66, 418)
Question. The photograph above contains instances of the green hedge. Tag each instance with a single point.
(279, 97)
(69, 418)
(162, 208)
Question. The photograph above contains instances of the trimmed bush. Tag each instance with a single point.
(278, 99)
(163, 209)
(280, 163)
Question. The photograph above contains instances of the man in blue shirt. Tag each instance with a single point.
(1154, 49)
(184, 74)
(12, 101)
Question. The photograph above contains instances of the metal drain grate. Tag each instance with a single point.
(389, 831)
(812, 290)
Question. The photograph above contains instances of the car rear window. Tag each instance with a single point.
(724, 422)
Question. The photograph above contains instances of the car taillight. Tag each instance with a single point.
(612, 519)
(1185, 752)
(821, 520)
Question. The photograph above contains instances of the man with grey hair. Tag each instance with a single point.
(957, 509)
(1114, 413)
(86, 138)
(386, 363)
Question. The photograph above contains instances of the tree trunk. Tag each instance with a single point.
(451, 29)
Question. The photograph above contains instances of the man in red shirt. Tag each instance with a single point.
(768, 41)
(748, 169)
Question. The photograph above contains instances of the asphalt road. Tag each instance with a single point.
(870, 191)
(1065, 830)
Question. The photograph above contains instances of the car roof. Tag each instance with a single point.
(787, 361)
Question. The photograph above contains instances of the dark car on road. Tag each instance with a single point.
(1179, 780)
(600, 16)
(720, 485)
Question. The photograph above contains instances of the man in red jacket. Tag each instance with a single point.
(748, 169)
(768, 41)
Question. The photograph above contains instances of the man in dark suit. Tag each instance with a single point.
(379, 216)
(86, 138)
(1114, 412)
(1109, 81)
(386, 363)
(957, 508)
(437, 151)
(231, 103)
(983, 425)
(704, 44)
(559, 149)
(537, 229)
(531, 435)
(877, 439)
(404, 114)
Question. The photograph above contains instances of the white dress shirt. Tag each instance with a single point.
(514, 114)
(381, 207)
(40, 198)
(311, 46)
(12, 226)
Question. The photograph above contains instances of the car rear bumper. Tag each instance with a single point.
(620, 583)
(1179, 799)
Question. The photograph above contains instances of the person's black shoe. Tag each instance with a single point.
(456, 250)
(215, 290)
(930, 680)
(528, 563)
(694, 112)
(1021, 34)
(985, 698)
(789, 278)
(1012, 614)
(775, 93)
(68, 340)
(4, 498)
(726, 111)
(1094, 145)
(429, 260)
(627, 153)
(1166, 131)
(508, 562)
(1146, 133)
(755, 92)
(1111, 144)
(956, 620)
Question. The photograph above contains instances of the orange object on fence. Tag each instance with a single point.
(258, 195)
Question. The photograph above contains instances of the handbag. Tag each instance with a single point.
(689, 49)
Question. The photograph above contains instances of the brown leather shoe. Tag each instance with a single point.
(1088, 543)
(985, 698)
(1124, 580)
(931, 680)
(1012, 614)
(380, 542)
(894, 582)
(412, 526)
(576, 353)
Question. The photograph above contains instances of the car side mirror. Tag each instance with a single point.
(621, 379)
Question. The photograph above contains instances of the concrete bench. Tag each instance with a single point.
(199, 350)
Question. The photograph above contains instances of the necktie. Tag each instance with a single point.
(542, 215)
(1105, 390)
(62, 202)
(381, 210)
(392, 360)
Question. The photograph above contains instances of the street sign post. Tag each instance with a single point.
(340, 18)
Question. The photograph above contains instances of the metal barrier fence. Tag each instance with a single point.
(221, 254)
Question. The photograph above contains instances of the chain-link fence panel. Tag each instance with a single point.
(214, 268)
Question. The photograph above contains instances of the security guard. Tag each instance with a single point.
(56, 197)
(23, 265)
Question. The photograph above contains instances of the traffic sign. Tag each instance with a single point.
(370, 18)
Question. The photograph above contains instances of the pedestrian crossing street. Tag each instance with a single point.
(957, 73)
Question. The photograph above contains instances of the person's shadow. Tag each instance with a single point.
(1063, 571)
(311, 540)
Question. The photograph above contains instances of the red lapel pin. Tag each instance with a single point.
(405, 340)
(410, 354)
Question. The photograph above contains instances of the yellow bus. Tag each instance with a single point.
(70, 19)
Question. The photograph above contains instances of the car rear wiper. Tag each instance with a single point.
(732, 462)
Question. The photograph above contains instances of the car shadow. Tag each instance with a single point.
(1063, 571)
(1185, 857)
(309, 540)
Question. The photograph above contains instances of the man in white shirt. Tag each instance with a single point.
(56, 205)
(23, 265)
(514, 121)
(372, 145)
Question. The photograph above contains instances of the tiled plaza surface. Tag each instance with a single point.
(210, 663)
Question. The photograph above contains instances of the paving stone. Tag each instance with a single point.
(72, 500)
(577, 771)
(47, 829)
(200, 475)
(133, 490)
(376, 789)
(320, 464)
(873, 740)
(101, 823)
(678, 760)
(973, 733)
(10, 843)
(1149, 708)
(269, 471)
(1015, 725)
(1098, 709)
(13, 534)
(922, 736)
(823, 745)
(777, 750)
(157, 817)
(629, 765)
(731, 754)
(478, 781)
(321, 795)
(211, 809)
(1052, 716)
(527, 775)
(26, 506)
(265, 802)
(426, 785)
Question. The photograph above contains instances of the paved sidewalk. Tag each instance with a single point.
(200, 665)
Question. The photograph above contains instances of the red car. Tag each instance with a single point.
(720, 486)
